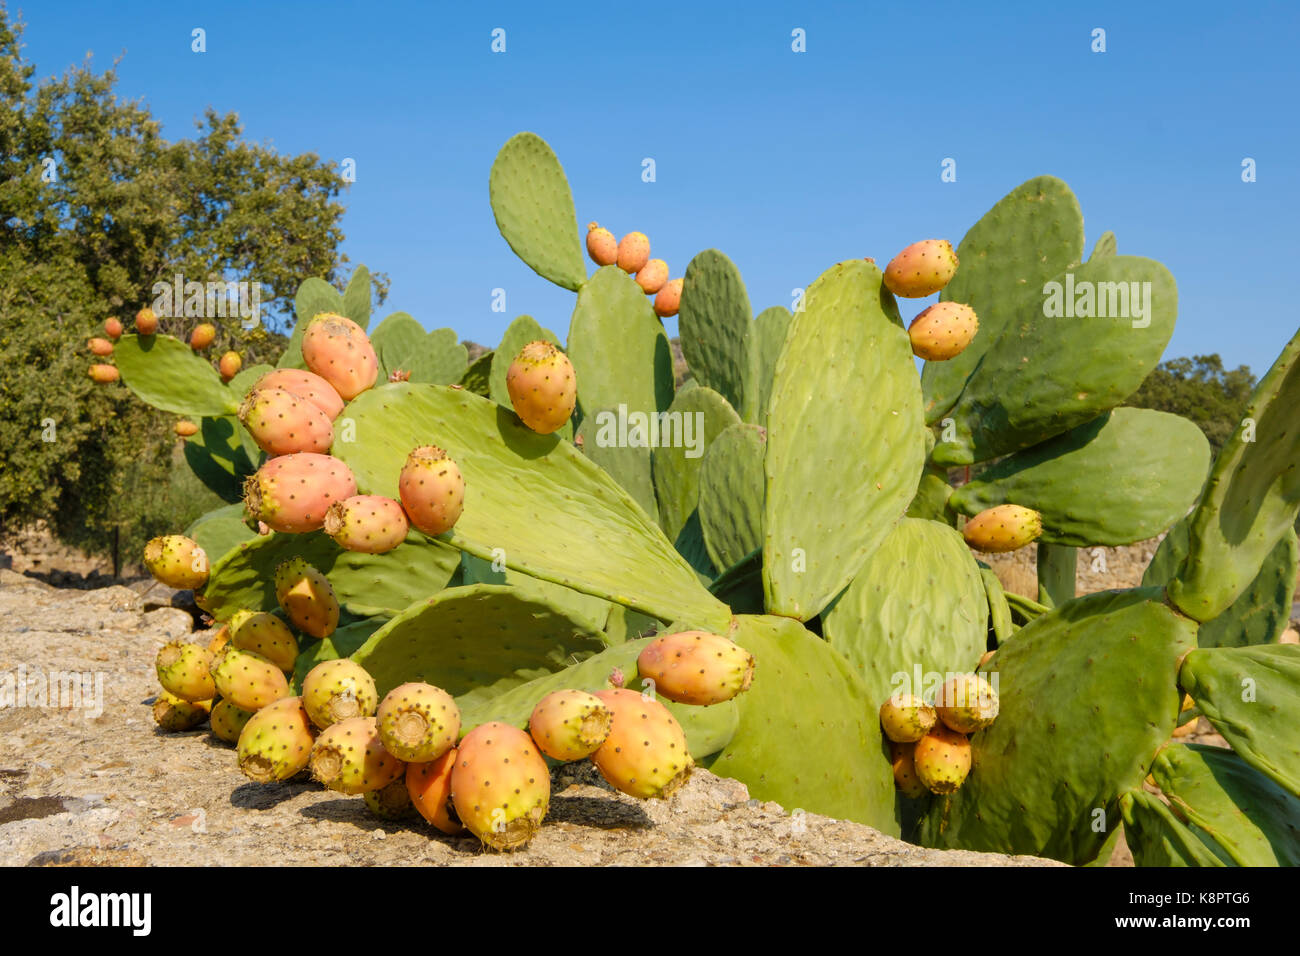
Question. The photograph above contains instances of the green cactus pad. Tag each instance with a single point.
(741, 585)
(845, 447)
(1058, 569)
(1044, 375)
(715, 321)
(766, 337)
(808, 736)
(1105, 246)
(435, 357)
(166, 373)
(689, 543)
(1261, 728)
(676, 466)
(1157, 838)
(1033, 233)
(1087, 696)
(356, 297)
(366, 584)
(1023, 610)
(629, 465)
(731, 494)
(217, 455)
(478, 377)
(618, 348)
(999, 607)
(534, 210)
(591, 613)
(314, 297)
(1251, 498)
(1091, 486)
(932, 496)
(708, 729)
(553, 513)
(624, 625)
(917, 603)
(1253, 820)
(220, 531)
(1260, 614)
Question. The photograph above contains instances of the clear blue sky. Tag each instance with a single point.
(787, 162)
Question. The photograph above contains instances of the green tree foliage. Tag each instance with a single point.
(1199, 388)
(96, 206)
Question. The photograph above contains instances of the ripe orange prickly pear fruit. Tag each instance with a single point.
(306, 385)
(349, 757)
(943, 331)
(418, 722)
(291, 493)
(942, 759)
(202, 336)
(645, 754)
(921, 269)
(177, 561)
(339, 351)
(184, 670)
(1003, 528)
(172, 713)
(669, 299)
(429, 786)
(283, 424)
(100, 347)
(652, 276)
(905, 777)
(633, 252)
(229, 365)
(905, 718)
(146, 323)
(391, 802)
(500, 786)
(185, 428)
(276, 742)
(103, 374)
(542, 386)
(264, 634)
(370, 524)
(432, 489)
(227, 721)
(601, 245)
(338, 690)
(967, 703)
(570, 724)
(247, 679)
(113, 329)
(696, 667)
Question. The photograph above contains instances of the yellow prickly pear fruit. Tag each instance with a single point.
(601, 245)
(1003, 528)
(146, 323)
(906, 718)
(177, 561)
(942, 759)
(103, 374)
(967, 703)
(100, 347)
(172, 713)
(905, 777)
(229, 365)
(542, 387)
(185, 428)
(265, 634)
(113, 329)
(943, 331)
(432, 489)
(202, 336)
(921, 269)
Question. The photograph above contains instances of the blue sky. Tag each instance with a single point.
(787, 162)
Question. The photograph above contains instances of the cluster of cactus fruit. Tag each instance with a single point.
(928, 741)
(795, 497)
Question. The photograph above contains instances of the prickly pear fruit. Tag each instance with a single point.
(185, 428)
(100, 347)
(264, 634)
(943, 331)
(942, 759)
(306, 385)
(633, 251)
(570, 724)
(219, 639)
(906, 719)
(966, 703)
(184, 670)
(432, 489)
(921, 269)
(146, 323)
(418, 722)
(349, 757)
(338, 350)
(309, 600)
(905, 777)
(645, 754)
(287, 574)
(229, 365)
(371, 524)
(283, 424)
(247, 679)
(500, 786)
(276, 742)
(669, 299)
(104, 374)
(429, 786)
(1003, 528)
(338, 690)
(202, 336)
(228, 720)
(172, 713)
(291, 493)
(601, 245)
(391, 802)
(542, 387)
(113, 329)
(696, 667)
(177, 561)
(652, 276)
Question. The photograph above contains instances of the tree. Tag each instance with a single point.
(1199, 389)
(96, 206)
